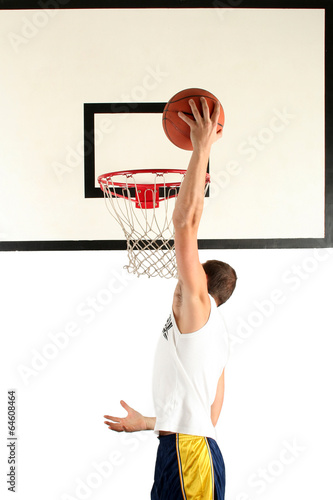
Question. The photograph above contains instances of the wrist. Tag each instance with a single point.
(201, 151)
(149, 423)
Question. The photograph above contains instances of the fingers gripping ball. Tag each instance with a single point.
(177, 131)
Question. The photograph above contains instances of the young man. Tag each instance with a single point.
(188, 381)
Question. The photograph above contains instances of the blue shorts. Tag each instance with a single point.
(188, 468)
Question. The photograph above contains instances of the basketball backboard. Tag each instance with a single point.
(83, 92)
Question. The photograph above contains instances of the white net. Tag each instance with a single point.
(143, 208)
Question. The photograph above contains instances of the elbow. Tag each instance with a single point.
(214, 416)
(180, 221)
(214, 419)
(187, 215)
(186, 219)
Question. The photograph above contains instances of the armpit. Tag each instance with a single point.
(178, 297)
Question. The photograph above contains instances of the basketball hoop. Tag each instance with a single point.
(142, 202)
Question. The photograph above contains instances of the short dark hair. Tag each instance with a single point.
(221, 280)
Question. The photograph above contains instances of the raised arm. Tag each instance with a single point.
(191, 303)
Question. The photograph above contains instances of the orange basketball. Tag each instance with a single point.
(175, 128)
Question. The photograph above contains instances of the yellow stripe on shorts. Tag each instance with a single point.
(196, 471)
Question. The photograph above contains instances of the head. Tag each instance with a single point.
(221, 280)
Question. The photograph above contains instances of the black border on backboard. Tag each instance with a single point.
(90, 109)
(325, 242)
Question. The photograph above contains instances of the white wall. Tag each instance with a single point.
(278, 379)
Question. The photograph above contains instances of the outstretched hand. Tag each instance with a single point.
(132, 423)
(203, 128)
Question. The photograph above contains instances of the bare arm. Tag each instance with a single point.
(191, 305)
(190, 200)
(133, 422)
(218, 402)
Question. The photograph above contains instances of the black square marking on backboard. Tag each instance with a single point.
(90, 110)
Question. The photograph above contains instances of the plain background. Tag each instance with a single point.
(79, 334)
(278, 378)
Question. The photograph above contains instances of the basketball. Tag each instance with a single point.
(177, 131)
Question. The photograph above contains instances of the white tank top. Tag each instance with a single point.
(186, 371)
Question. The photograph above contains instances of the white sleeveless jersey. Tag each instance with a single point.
(186, 371)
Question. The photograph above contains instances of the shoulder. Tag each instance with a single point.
(191, 310)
